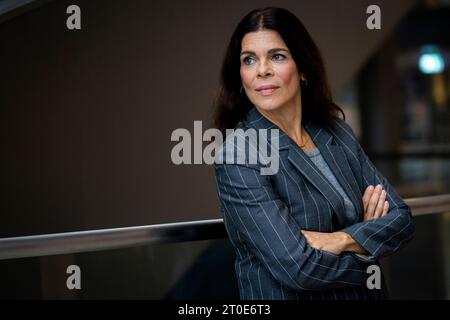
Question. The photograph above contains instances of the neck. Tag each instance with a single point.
(288, 119)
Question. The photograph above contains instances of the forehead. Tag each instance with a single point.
(263, 40)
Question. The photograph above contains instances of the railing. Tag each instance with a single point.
(106, 239)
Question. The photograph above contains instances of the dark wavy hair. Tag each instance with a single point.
(317, 104)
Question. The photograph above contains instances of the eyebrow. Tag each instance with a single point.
(269, 52)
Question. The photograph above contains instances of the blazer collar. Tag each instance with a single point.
(333, 155)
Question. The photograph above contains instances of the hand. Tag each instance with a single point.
(333, 242)
(375, 204)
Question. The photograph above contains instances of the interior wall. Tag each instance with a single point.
(86, 115)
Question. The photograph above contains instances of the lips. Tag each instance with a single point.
(266, 90)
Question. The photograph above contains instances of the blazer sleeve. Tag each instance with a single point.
(265, 227)
(383, 236)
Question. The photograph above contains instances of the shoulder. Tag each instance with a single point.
(346, 138)
(344, 132)
(237, 143)
(233, 134)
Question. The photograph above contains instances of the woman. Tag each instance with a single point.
(311, 229)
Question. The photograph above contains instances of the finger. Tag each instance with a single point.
(367, 195)
(373, 202)
(380, 205)
(385, 208)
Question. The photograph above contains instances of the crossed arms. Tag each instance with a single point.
(306, 260)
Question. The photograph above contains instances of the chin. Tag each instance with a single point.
(268, 104)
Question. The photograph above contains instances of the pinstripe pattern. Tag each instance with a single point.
(263, 216)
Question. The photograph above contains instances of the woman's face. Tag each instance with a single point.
(268, 72)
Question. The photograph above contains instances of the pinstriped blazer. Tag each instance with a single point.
(263, 216)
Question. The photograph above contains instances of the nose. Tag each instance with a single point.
(264, 69)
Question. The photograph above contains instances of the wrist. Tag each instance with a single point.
(345, 240)
(349, 244)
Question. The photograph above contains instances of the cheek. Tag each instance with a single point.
(290, 77)
(246, 77)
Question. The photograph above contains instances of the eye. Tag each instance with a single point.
(278, 57)
(248, 60)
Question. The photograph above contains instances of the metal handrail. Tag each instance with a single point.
(106, 239)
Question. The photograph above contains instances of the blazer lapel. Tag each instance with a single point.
(335, 158)
(337, 161)
(309, 170)
(332, 154)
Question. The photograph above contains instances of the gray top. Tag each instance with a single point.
(318, 160)
(350, 210)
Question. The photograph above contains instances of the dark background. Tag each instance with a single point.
(86, 115)
(86, 118)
